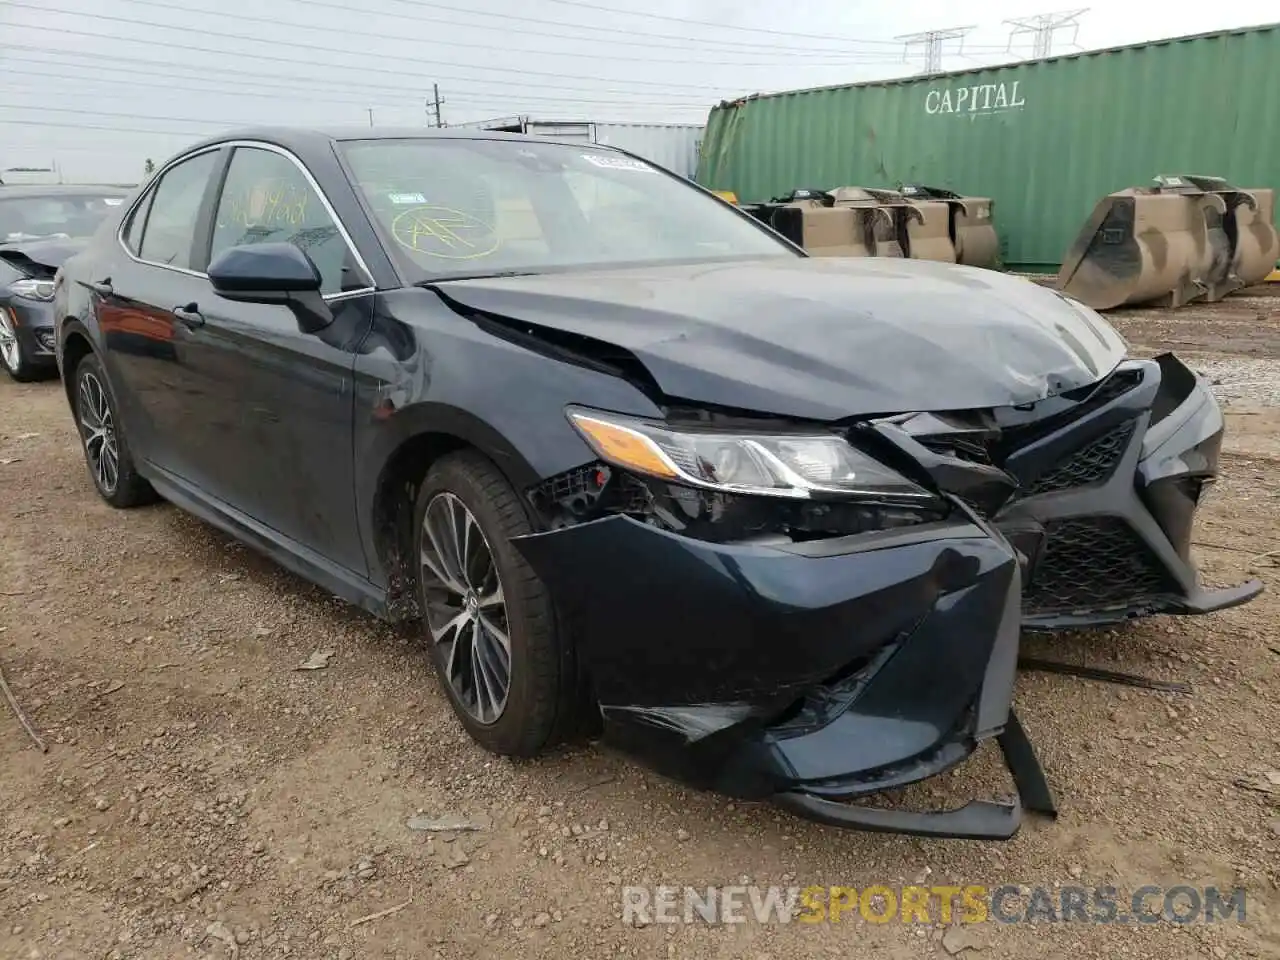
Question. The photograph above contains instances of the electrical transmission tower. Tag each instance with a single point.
(932, 41)
(1042, 28)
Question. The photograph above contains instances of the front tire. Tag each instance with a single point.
(106, 449)
(508, 672)
(12, 358)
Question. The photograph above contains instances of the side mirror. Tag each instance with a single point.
(272, 273)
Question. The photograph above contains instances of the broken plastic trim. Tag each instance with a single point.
(596, 490)
(976, 820)
(1101, 675)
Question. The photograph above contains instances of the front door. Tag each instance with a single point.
(281, 401)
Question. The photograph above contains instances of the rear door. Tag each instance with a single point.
(280, 405)
(142, 291)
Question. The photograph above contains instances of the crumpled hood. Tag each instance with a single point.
(38, 257)
(822, 338)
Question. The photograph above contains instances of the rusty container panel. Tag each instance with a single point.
(1042, 139)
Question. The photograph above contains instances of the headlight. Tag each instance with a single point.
(31, 289)
(776, 465)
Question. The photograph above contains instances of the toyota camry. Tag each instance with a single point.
(773, 522)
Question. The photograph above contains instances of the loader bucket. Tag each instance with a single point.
(823, 231)
(885, 234)
(1146, 246)
(929, 236)
(977, 244)
(970, 227)
(1257, 247)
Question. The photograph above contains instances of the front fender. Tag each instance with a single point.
(425, 372)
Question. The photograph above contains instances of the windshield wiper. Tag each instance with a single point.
(493, 275)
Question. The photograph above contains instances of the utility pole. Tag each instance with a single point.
(370, 110)
(932, 41)
(433, 106)
(1042, 28)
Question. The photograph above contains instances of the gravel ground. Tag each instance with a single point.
(203, 797)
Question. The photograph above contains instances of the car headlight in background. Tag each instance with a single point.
(795, 466)
(32, 289)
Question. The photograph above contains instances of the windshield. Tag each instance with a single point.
(61, 215)
(449, 208)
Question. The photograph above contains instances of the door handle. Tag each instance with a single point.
(189, 314)
(102, 288)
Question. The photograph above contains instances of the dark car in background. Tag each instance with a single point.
(40, 226)
(775, 521)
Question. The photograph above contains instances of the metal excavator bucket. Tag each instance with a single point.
(808, 219)
(1160, 245)
(823, 231)
(1186, 238)
(969, 224)
(884, 231)
(1257, 245)
(927, 223)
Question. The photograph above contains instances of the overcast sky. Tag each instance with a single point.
(98, 86)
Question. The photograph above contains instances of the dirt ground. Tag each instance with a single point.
(203, 797)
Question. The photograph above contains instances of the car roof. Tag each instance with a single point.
(302, 140)
(61, 190)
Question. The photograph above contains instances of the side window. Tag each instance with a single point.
(170, 230)
(265, 198)
(133, 229)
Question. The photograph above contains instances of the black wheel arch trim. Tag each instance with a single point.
(403, 441)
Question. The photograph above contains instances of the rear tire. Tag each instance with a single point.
(508, 671)
(106, 448)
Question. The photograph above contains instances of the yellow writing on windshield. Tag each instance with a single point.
(444, 232)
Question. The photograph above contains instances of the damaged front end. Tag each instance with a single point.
(1102, 486)
(810, 648)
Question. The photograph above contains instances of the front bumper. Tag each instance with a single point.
(33, 323)
(808, 673)
(1114, 494)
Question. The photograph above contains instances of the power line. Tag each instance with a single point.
(1043, 26)
(41, 108)
(932, 41)
(87, 126)
(257, 89)
(506, 21)
(315, 48)
(506, 47)
(304, 85)
(613, 11)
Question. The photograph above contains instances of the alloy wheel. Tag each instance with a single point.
(466, 608)
(97, 427)
(10, 352)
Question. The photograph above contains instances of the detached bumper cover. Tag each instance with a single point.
(1116, 493)
(1098, 489)
(809, 673)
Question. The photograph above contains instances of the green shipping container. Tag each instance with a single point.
(1045, 139)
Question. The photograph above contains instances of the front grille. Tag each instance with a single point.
(1015, 437)
(1116, 385)
(1093, 562)
(1093, 463)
